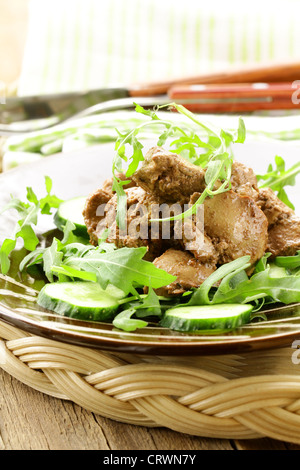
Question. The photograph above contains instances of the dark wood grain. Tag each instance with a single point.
(30, 420)
(269, 73)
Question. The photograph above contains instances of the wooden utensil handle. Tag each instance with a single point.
(236, 97)
(234, 91)
(270, 74)
(228, 108)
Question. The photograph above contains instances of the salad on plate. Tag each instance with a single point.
(181, 235)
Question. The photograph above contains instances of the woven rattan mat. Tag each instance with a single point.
(247, 396)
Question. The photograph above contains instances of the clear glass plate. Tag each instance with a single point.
(80, 172)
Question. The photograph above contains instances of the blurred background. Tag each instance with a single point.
(71, 45)
(13, 32)
(64, 45)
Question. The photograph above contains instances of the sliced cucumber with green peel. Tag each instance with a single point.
(72, 210)
(207, 317)
(82, 300)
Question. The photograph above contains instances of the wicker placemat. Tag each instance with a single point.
(247, 396)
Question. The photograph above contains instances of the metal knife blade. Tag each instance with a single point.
(59, 106)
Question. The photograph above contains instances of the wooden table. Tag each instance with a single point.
(30, 420)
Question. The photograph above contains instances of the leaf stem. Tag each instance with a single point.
(271, 182)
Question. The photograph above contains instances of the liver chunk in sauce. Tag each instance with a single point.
(237, 221)
(244, 220)
(284, 237)
(189, 271)
(168, 176)
(283, 225)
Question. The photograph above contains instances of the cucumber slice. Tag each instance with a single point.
(206, 317)
(72, 210)
(115, 292)
(82, 300)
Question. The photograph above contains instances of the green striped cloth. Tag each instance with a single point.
(79, 44)
(84, 44)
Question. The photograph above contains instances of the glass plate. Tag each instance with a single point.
(80, 172)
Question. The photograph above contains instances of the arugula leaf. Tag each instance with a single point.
(68, 233)
(6, 248)
(72, 273)
(122, 202)
(52, 256)
(240, 137)
(131, 138)
(261, 264)
(266, 283)
(15, 203)
(143, 307)
(102, 243)
(75, 249)
(34, 257)
(50, 200)
(28, 212)
(278, 177)
(217, 158)
(31, 196)
(226, 272)
(260, 285)
(147, 112)
(27, 233)
(188, 145)
(124, 321)
(289, 262)
(150, 305)
(125, 268)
